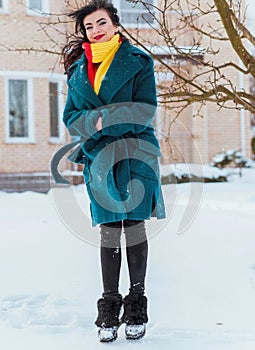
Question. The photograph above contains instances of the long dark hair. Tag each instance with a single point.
(73, 50)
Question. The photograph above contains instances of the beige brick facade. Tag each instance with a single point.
(191, 139)
(198, 139)
(21, 30)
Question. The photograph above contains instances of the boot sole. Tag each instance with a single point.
(135, 336)
(131, 337)
(115, 336)
(109, 339)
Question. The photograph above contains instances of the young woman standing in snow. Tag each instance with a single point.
(110, 106)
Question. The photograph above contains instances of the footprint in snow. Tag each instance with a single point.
(45, 312)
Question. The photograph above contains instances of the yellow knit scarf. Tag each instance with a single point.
(104, 53)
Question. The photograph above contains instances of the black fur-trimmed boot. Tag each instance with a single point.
(108, 317)
(135, 316)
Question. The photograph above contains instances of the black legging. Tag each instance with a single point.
(136, 249)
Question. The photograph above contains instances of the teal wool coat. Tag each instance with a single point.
(121, 168)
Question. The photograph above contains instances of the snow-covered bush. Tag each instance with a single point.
(180, 173)
(232, 158)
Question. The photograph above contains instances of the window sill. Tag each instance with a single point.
(37, 13)
(20, 141)
(55, 140)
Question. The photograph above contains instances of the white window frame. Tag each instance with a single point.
(30, 100)
(117, 4)
(5, 7)
(60, 100)
(44, 12)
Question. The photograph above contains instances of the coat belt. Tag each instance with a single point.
(74, 156)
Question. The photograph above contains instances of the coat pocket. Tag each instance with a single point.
(145, 160)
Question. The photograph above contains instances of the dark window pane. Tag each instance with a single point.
(54, 127)
(35, 5)
(125, 5)
(135, 12)
(1, 4)
(18, 108)
(136, 17)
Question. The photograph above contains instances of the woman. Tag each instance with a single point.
(110, 105)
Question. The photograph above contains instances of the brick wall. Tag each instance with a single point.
(22, 30)
(190, 139)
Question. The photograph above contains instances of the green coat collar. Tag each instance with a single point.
(114, 80)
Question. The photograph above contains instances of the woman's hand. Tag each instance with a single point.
(98, 125)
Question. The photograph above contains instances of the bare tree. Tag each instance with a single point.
(50, 32)
(211, 28)
(191, 35)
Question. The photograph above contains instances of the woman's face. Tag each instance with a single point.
(99, 27)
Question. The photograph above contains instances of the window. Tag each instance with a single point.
(38, 7)
(134, 13)
(35, 5)
(54, 110)
(19, 111)
(55, 101)
(3, 6)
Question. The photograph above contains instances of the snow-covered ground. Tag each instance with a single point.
(200, 281)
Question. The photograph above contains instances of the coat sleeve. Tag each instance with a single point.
(135, 116)
(80, 122)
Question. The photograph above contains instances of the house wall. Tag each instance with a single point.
(19, 29)
(189, 139)
(197, 137)
(228, 128)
